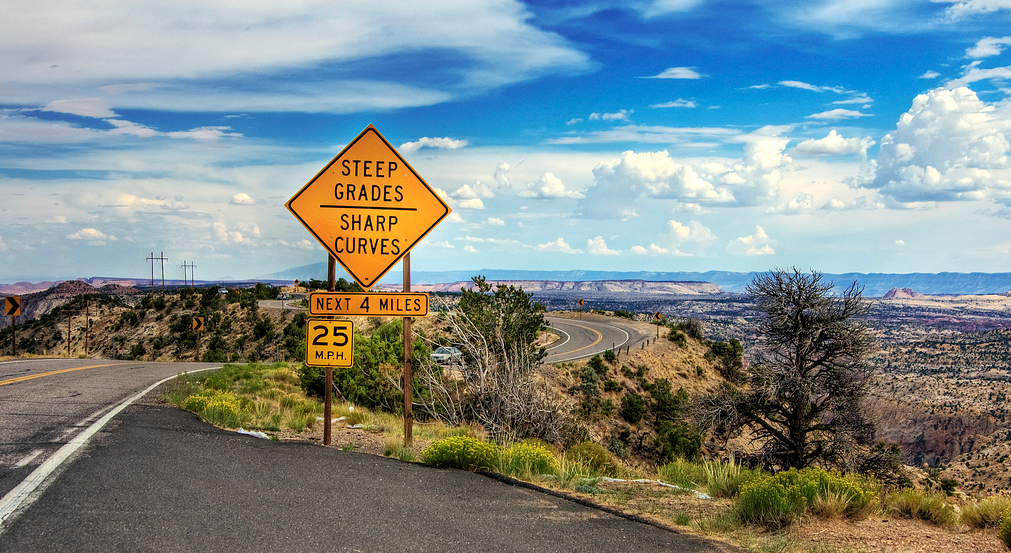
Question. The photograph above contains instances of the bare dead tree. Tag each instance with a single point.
(498, 384)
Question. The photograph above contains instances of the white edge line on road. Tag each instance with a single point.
(24, 494)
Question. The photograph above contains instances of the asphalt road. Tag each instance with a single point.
(46, 403)
(592, 334)
(158, 479)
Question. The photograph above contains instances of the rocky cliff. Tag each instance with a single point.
(590, 286)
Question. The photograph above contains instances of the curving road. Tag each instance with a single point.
(580, 338)
(158, 479)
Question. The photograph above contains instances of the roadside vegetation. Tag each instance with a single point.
(691, 433)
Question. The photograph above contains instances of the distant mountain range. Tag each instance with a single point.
(875, 284)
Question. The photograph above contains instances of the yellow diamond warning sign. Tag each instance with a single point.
(368, 207)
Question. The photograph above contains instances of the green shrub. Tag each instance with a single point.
(593, 457)
(633, 408)
(610, 356)
(597, 364)
(528, 458)
(1004, 528)
(779, 500)
(216, 407)
(462, 452)
(985, 513)
(611, 385)
(929, 506)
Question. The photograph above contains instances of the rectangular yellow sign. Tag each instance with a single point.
(329, 343)
(390, 304)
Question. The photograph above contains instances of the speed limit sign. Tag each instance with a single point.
(329, 343)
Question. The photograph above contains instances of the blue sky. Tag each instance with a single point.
(667, 135)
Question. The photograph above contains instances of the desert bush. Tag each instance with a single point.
(612, 385)
(528, 458)
(1004, 528)
(929, 506)
(985, 513)
(462, 452)
(593, 457)
(778, 500)
(217, 407)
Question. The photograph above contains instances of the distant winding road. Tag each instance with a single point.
(592, 335)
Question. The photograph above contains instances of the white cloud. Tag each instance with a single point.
(470, 249)
(833, 144)
(973, 73)
(649, 134)
(950, 145)
(900, 242)
(241, 198)
(226, 236)
(548, 186)
(652, 249)
(966, 8)
(597, 246)
(617, 116)
(677, 73)
(836, 114)
(92, 236)
(812, 87)
(473, 203)
(434, 143)
(679, 103)
(131, 129)
(801, 203)
(147, 49)
(758, 243)
(84, 107)
(557, 246)
(205, 133)
(175, 205)
(494, 222)
(989, 46)
(930, 75)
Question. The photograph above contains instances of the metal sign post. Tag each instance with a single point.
(408, 382)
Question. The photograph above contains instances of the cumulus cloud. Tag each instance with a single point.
(597, 246)
(623, 181)
(175, 205)
(800, 203)
(548, 186)
(677, 73)
(444, 143)
(950, 145)
(758, 243)
(989, 46)
(930, 75)
(833, 144)
(494, 222)
(226, 236)
(558, 246)
(92, 236)
(241, 198)
(677, 237)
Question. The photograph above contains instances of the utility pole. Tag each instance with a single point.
(161, 257)
(191, 266)
(87, 323)
(68, 329)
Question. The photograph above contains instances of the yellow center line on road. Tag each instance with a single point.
(597, 341)
(50, 373)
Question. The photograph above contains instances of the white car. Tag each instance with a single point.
(447, 356)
